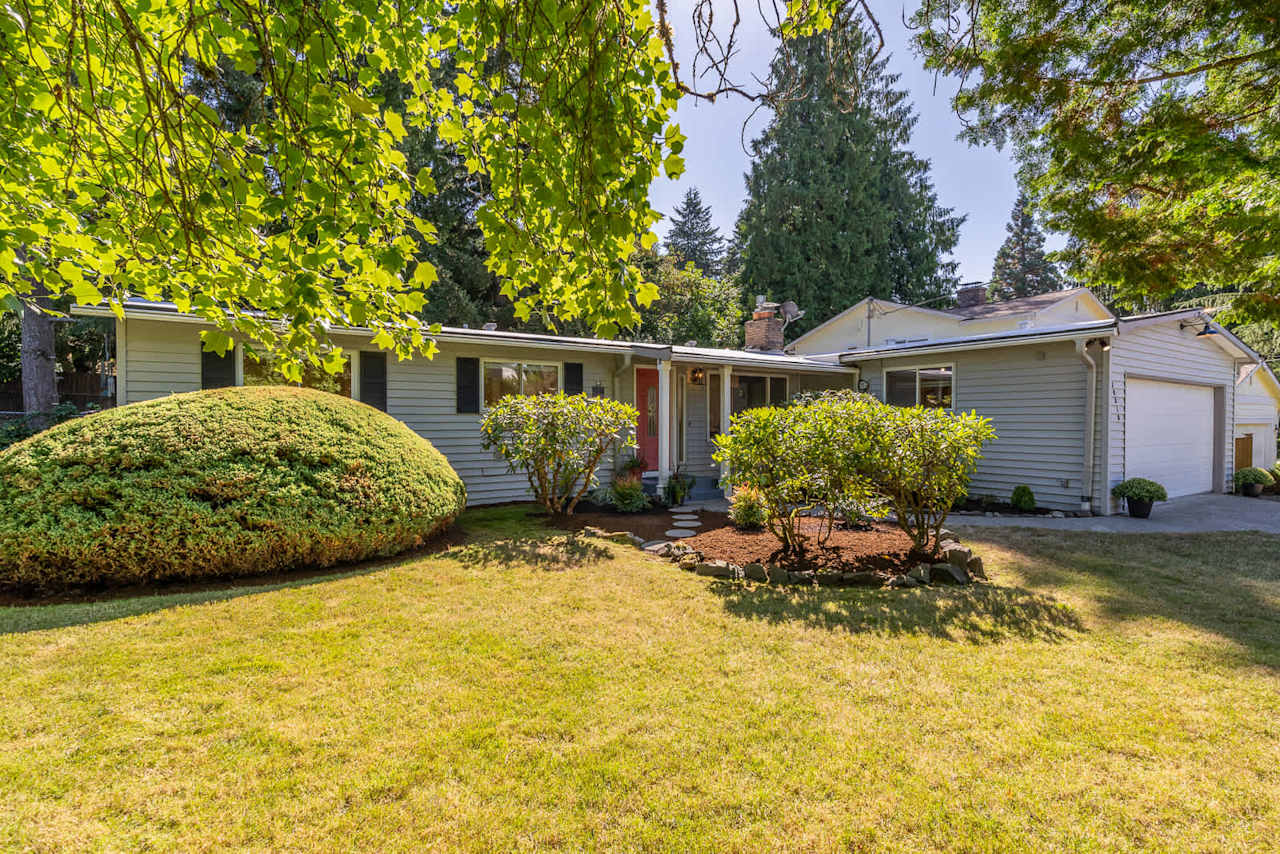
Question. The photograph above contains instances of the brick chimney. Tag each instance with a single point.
(764, 329)
(971, 295)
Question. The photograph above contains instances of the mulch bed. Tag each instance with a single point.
(882, 548)
(652, 525)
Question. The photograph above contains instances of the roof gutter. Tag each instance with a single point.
(854, 356)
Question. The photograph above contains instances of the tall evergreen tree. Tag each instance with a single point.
(838, 209)
(692, 237)
(1021, 268)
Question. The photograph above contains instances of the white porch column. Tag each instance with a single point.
(726, 406)
(664, 422)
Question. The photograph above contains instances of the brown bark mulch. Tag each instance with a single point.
(882, 548)
(651, 525)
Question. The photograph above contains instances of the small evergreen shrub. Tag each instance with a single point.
(1139, 489)
(1250, 476)
(627, 496)
(1023, 499)
(747, 509)
(218, 483)
(677, 488)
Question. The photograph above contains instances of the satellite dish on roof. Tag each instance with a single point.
(790, 312)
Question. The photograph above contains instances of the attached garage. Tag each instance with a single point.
(1169, 435)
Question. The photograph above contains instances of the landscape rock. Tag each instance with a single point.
(957, 555)
(860, 579)
(593, 531)
(777, 574)
(898, 581)
(755, 572)
(689, 562)
(805, 578)
(949, 573)
(714, 569)
(947, 535)
(829, 579)
(661, 548)
(975, 568)
(922, 572)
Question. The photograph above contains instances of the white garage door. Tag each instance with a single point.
(1168, 435)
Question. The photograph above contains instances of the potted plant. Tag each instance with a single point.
(633, 468)
(1140, 494)
(1250, 481)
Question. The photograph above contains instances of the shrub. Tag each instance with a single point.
(839, 452)
(558, 441)
(1250, 476)
(1023, 499)
(627, 496)
(921, 460)
(633, 467)
(25, 426)
(226, 482)
(746, 509)
(1139, 489)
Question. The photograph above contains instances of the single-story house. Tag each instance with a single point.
(1080, 399)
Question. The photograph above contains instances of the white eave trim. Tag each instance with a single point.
(765, 361)
(992, 341)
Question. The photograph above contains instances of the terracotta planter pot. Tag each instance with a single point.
(1139, 509)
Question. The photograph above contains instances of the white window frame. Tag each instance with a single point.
(559, 366)
(923, 366)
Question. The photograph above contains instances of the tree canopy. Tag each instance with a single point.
(1149, 132)
(690, 306)
(118, 180)
(693, 238)
(838, 209)
(1021, 268)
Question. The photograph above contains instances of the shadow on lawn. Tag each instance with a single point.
(543, 551)
(980, 613)
(1224, 583)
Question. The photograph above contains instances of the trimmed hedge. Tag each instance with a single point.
(218, 483)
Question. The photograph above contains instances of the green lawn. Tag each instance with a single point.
(529, 691)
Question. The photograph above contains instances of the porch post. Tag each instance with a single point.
(726, 407)
(664, 421)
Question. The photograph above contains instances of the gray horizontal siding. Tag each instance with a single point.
(161, 358)
(1163, 350)
(1034, 397)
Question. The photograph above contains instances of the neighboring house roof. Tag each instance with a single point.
(1006, 338)
(860, 304)
(1021, 305)
(167, 311)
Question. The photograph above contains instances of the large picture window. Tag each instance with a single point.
(262, 372)
(929, 387)
(503, 378)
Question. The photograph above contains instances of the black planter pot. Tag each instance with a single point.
(1139, 509)
(1253, 490)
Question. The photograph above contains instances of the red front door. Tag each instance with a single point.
(647, 428)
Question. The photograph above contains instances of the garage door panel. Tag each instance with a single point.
(1169, 435)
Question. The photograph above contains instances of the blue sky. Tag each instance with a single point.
(978, 182)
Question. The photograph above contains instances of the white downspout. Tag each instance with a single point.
(1090, 425)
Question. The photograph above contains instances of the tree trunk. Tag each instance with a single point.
(39, 381)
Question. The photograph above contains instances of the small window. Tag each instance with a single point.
(217, 371)
(373, 379)
(929, 387)
(504, 378)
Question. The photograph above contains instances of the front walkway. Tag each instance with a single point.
(1187, 515)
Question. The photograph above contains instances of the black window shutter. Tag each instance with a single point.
(573, 378)
(468, 385)
(373, 379)
(217, 371)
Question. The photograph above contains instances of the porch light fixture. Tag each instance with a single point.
(697, 376)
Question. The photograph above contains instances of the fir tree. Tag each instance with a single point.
(692, 238)
(1021, 268)
(838, 209)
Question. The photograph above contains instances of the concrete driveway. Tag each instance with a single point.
(1187, 515)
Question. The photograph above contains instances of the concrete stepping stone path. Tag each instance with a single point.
(679, 533)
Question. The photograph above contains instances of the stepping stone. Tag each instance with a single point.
(685, 523)
(684, 517)
(679, 533)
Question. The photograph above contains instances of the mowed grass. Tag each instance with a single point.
(529, 691)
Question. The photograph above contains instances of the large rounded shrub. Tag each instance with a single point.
(227, 482)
